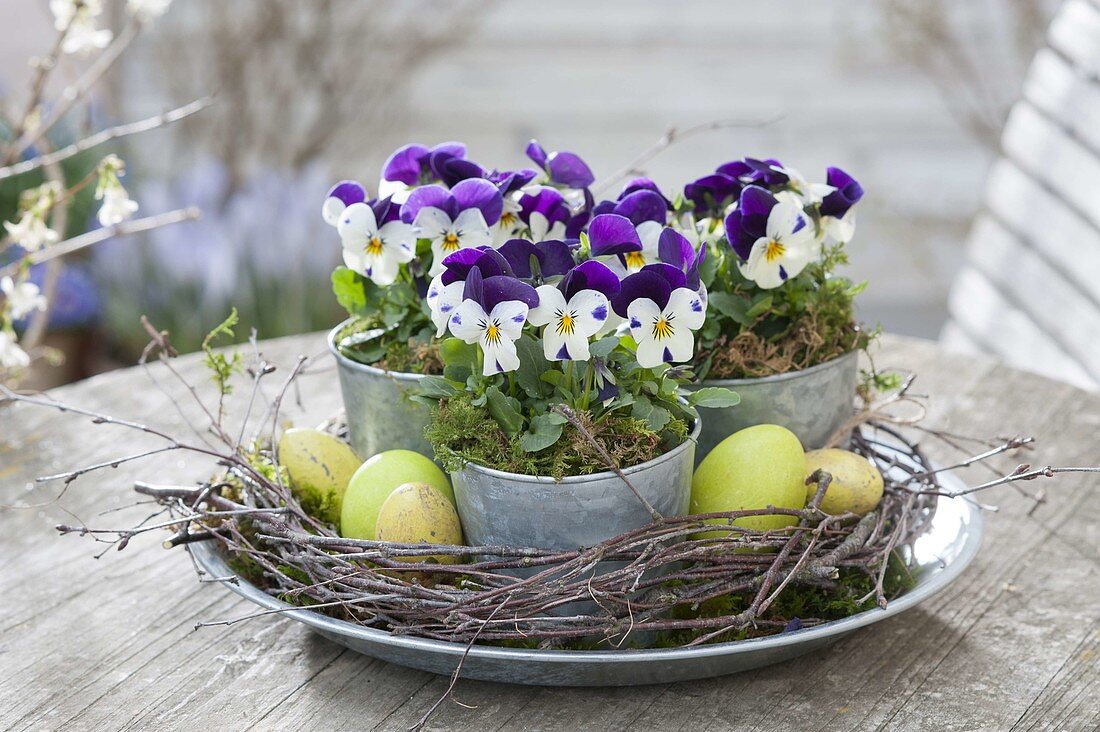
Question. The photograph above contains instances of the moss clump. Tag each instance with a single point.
(385, 351)
(460, 432)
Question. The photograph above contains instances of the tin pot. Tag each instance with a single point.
(812, 403)
(380, 414)
(510, 509)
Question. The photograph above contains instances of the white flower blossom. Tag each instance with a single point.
(442, 300)
(569, 325)
(372, 250)
(21, 299)
(82, 36)
(117, 206)
(31, 232)
(147, 10)
(468, 229)
(12, 357)
(664, 335)
(495, 332)
(786, 248)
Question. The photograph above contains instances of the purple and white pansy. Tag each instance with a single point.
(772, 235)
(574, 311)
(376, 242)
(838, 218)
(663, 314)
(410, 166)
(492, 314)
(562, 168)
(545, 212)
(510, 184)
(456, 219)
(339, 197)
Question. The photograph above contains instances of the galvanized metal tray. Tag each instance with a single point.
(940, 556)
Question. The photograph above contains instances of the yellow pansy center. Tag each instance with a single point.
(566, 323)
(662, 328)
(492, 334)
(774, 250)
(507, 220)
(635, 260)
(374, 246)
(450, 242)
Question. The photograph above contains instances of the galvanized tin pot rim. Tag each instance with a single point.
(784, 376)
(347, 363)
(573, 479)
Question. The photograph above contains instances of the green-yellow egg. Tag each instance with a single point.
(376, 479)
(753, 468)
(418, 513)
(319, 467)
(857, 484)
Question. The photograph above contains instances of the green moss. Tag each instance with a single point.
(460, 432)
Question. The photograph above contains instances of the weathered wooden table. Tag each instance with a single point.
(110, 643)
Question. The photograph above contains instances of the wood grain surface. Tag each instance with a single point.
(110, 643)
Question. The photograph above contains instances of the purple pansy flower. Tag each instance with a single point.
(768, 172)
(838, 207)
(562, 168)
(445, 291)
(491, 314)
(509, 183)
(712, 194)
(673, 248)
(339, 197)
(411, 164)
(574, 311)
(624, 247)
(455, 219)
(376, 242)
(545, 212)
(554, 257)
(773, 236)
(662, 314)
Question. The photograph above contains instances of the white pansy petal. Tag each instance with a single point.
(383, 268)
(395, 189)
(785, 218)
(590, 310)
(468, 321)
(678, 347)
(331, 210)
(553, 344)
(539, 226)
(687, 309)
(610, 325)
(510, 315)
(758, 269)
(356, 225)
(641, 315)
(400, 239)
(650, 234)
(433, 223)
(472, 230)
(500, 357)
(550, 301)
(557, 231)
(650, 354)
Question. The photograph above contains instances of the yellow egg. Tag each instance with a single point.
(857, 484)
(376, 479)
(417, 513)
(753, 468)
(319, 466)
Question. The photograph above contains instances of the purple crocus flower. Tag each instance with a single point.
(455, 219)
(574, 311)
(339, 197)
(410, 164)
(545, 212)
(492, 314)
(554, 257)
(773, 237)
(662, 313)
(563, 168)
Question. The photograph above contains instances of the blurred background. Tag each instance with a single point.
(908, 95)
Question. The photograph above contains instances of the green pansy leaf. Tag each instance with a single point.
(545, 430)
(658, 419)
(505, 410)
(714, 397)
(603, 347)
(760, 305)
(532, 366)
(732, 306)
(350, 290)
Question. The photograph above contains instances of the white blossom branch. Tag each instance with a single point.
(106, 135)
(135, 226)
